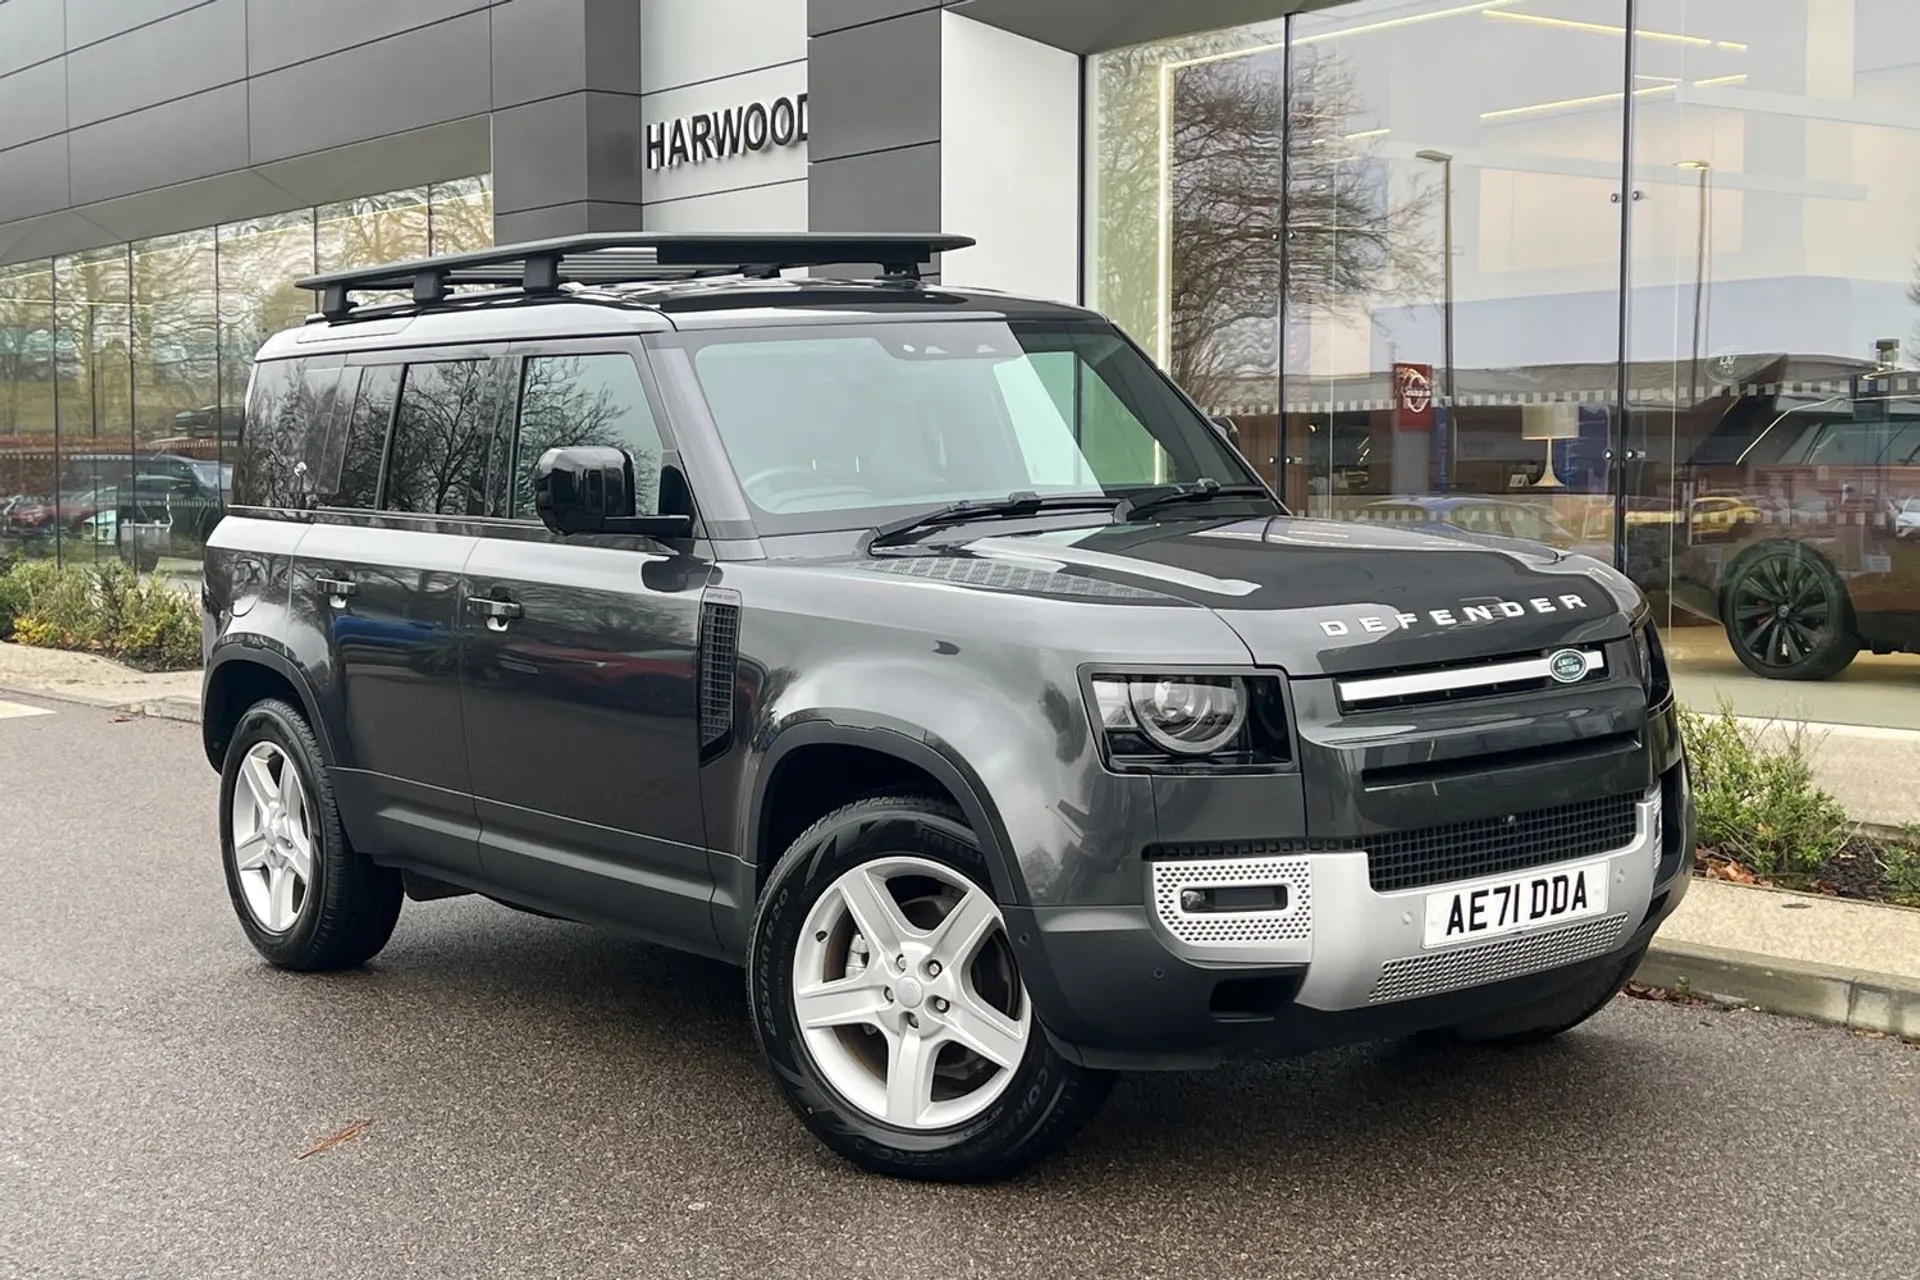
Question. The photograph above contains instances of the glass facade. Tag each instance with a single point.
(123, 371)
(1635, 279)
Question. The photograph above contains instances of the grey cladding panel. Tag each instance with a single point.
(539, 50)
(542, 48)
(873, 88)
(890, 191)
(31, 31)
(187, 53)
(540, 154)
(33, 104)
(424, 77)
(191, 138)
(283, 32)
(36, 178)
(91, 20)
(837, 15)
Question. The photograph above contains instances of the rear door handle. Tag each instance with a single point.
(337, 589)
(497, 612)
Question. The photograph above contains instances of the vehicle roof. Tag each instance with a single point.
(661, 306)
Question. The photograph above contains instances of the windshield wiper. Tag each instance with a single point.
(1203, 490)
(1013, 505)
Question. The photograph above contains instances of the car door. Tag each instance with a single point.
(581, 673)
(382, 570)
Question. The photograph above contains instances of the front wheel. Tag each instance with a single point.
(1787, 615)
(887, 1000)
(305, 899)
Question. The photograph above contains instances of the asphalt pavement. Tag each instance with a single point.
(542, 1099)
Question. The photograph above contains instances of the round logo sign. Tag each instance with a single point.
(1567, 666)
(1416, 389)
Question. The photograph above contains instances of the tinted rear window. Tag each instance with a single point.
(290, 407)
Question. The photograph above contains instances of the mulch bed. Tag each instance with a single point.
(1858, 871)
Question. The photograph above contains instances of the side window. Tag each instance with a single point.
(442, 439)
(585, 400)
(350, 470)
(289, 410)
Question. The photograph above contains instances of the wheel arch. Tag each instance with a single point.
(240, 676)
(878, 737)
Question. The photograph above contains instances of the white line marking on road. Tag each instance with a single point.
(20, 710)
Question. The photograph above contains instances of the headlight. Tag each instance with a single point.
(1182, 719)
(1187, 716)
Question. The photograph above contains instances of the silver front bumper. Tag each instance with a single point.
(1363, 947)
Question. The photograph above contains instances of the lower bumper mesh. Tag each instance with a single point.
(1496, 961)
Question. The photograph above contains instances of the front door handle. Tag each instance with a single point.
(497, 612)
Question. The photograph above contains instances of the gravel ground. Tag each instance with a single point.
(543, 1099)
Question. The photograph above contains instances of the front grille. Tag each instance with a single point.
(1496, 961)
(1434, 684)
(1492, 846)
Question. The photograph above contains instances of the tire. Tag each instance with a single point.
(1787, 615)
(1557, 1014)
(1004, 1119)
(344, 910)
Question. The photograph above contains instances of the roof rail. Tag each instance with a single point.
(629, 257)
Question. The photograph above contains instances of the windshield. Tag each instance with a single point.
(850, 426)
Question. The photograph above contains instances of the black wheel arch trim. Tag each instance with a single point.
(899, 740)
(261, 651)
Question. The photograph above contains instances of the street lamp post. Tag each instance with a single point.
(1445, 161)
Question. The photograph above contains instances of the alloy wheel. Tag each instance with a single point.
(1782, 609)
(273, 837)
(907, 995)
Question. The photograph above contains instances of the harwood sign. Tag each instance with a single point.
(719, 135)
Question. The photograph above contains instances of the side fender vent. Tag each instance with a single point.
(719, 658)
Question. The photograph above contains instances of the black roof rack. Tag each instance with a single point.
(629, 257)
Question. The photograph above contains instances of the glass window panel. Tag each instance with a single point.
(461, 214)
(442, 439)
(95, 407)
(176, 385)
(1775, 353)
(586, 400)
(33, 361)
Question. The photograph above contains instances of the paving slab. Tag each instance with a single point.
(1851, 964)
(96, 681)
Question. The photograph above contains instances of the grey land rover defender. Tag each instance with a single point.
(926, 652)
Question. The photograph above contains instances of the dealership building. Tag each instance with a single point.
(1636, 277)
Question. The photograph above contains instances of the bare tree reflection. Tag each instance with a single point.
(441, 439)
(585, 401)
(1236, 139)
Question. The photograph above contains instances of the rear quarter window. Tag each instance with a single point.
(290, 408)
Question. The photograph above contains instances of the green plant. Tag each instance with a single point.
(1758, 803)
(20, 585)
(107, 610)
(1900, 864)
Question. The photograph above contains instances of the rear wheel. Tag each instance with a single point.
(1787, 615)
(305, 899)
(886, 998)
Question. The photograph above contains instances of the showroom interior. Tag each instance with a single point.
(1639, 278)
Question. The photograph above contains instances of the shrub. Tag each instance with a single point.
(1759, 805)
(107, 610)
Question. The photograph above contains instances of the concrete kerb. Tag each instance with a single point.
(1880, 1002)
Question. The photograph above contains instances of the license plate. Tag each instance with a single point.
(1515, 904)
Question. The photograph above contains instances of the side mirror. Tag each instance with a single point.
(1228, 428)
(591, 490)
